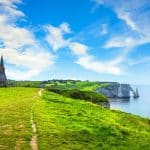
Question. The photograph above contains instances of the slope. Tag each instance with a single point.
(64, 124)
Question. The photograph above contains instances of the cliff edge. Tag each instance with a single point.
(117, 90)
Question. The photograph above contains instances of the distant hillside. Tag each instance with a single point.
(62, 84)
(14, 83)
(76, 84)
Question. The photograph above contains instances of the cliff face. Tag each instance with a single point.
(124, 91)
(117, 90)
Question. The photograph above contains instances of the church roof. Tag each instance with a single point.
(2, 70)
(2, 76)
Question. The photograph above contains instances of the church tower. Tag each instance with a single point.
(3, 79)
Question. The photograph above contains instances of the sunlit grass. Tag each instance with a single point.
(64, 123)
(67, 124)
(15, 128)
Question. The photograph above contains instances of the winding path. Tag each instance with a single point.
(34, 140)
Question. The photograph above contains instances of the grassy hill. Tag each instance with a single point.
(63, 123)
(91, 96)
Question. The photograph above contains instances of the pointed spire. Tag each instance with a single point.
(2, 62)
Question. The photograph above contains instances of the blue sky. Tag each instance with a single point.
(103, 40)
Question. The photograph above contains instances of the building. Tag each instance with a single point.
(3, 79)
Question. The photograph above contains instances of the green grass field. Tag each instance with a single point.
(80, 85)
(67, 124)
(15, 128)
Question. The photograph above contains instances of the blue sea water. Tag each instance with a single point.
(139, 106)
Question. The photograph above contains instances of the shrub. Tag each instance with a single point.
(84, 95)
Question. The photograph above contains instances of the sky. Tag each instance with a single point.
(97, 40)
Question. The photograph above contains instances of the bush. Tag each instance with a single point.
(77, 94)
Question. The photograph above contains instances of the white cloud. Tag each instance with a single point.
(136, 17)
(21, 48)
(127, 41)
(90, 63)
(55, 36)
(137, 33)
(87, 61)
(129, 11)
(121, 41)
(28, 59)
(78, 48)
(10, 9)
(19, 45)
(126, 17)
(15, 37)
(33, 62)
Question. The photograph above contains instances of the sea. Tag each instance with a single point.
(139, 106)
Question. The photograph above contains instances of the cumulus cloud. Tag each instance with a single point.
(81, 51)
(78, 48)
(135, 17)
(30, 60)
(10, 10)
(15, 37)
(19, 45)
(55, 36)
(89, 62)
(21, 48)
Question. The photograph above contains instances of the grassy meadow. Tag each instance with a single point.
(64, 123)
(15, 128)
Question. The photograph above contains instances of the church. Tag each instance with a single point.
(3, 79)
